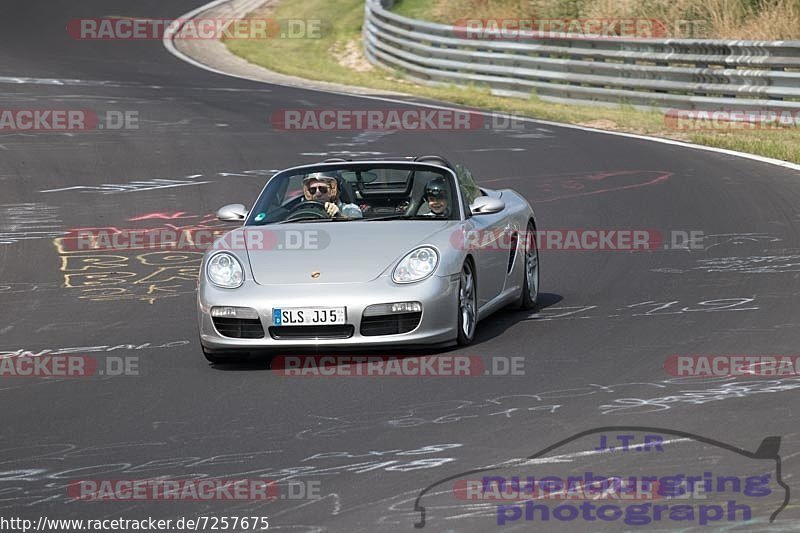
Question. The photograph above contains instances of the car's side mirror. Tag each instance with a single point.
(486, 205)
(232, 212)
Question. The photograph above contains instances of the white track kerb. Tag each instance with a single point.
(170, 46)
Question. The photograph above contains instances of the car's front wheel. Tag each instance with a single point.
(530, 274)
(467, 305)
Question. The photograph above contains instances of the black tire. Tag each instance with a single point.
(467, 288)
(526, 299)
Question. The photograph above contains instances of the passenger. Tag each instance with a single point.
(437, 199)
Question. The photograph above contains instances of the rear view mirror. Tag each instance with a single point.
(486, 205)
(232, 212)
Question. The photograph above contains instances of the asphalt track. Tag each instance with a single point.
(593, 354)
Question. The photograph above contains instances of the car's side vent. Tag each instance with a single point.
(512, 250)
(239, 328)
(389, 324)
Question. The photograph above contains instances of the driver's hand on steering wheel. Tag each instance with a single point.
(332, 209)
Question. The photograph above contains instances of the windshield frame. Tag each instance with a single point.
(357, 165)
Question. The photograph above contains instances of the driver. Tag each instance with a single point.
(437, 199)
(322, 187)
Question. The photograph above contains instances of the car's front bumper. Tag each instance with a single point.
(438, 296)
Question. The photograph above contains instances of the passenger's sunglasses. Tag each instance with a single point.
(323, 189)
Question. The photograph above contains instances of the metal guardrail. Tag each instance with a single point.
(651, 73)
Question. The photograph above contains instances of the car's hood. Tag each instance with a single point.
(342, 252)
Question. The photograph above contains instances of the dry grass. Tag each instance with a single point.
(718, 19)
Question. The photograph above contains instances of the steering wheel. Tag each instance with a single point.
(308, 209)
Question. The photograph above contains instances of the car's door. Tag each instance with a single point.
(487, 237)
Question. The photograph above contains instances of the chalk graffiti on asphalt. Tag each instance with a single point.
(22, 352)
(647, 308)
(27, 221)
(612, 399)
(152, 184)
(70, 463)
(135, 275)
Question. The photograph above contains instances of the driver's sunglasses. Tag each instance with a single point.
(323, 189)
(439, 195)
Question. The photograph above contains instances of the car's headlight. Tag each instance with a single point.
(225, 271)
(416, 265)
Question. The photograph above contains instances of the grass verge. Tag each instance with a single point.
(777, 20)
(336, 56)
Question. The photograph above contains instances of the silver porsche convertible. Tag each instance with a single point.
(393, 253)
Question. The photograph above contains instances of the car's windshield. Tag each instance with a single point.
(357, 192)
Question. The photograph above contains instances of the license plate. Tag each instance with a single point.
(308, 316)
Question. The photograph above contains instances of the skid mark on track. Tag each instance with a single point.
(550, 188)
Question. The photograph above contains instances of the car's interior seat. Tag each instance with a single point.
(346, 194)
(420, 182)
